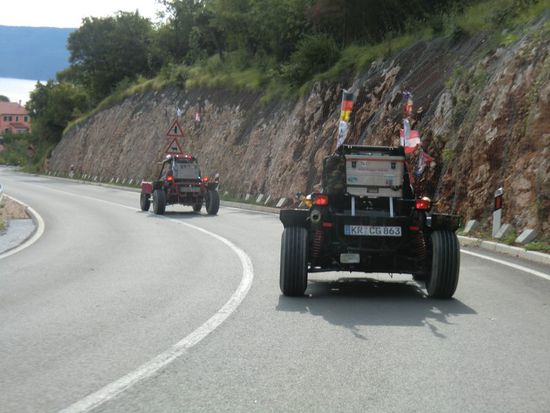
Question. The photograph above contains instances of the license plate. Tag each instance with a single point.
(189, 189)
(371, 231)
(350, 258)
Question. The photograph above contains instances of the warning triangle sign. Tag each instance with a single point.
(175, 130)
(173, 148)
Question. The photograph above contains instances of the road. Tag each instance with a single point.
(91, 316)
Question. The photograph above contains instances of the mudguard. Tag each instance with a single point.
(445, 221)
(146, 187)
(294, 217)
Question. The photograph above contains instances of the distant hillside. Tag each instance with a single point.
(35, 53)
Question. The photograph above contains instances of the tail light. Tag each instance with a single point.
(321, 200)
(205, 179)
(170, 178)
(423, 204)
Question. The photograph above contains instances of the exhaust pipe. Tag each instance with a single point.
(315, 216)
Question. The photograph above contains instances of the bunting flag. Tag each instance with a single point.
(423, 160)
(410, 139)
(345, 113)
(408, 104)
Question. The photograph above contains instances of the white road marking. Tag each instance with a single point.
(150, 368)
(34, 237)
(509, 264)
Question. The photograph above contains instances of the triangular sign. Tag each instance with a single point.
(173, 148)
(175, 130)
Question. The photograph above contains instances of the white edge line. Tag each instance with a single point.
(151, 367)
(509, 264)
(40, 226)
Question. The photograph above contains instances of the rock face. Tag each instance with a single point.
(482, 109)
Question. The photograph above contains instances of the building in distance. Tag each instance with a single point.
(14, 118)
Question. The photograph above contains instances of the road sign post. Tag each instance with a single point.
(174, 139)
(497, 211)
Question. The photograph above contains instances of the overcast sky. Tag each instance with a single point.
(69, 13)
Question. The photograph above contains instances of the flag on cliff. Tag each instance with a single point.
(410, 139)
(345, 113)
(407, 104)
(423, 160)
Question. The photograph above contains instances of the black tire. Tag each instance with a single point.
(159, 201)
(197, 207)
(293, 270)
(445, 253)
(212, 202)
(145, 202)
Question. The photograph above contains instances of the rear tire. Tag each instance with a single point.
(159, 201)
(293, 269)
(212, 202)
(145, 201)
(445, 252)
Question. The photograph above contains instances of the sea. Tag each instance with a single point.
(17, 90)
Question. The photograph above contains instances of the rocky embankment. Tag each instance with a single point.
(482, 108)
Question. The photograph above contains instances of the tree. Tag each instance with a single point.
(105, 51)
(188, 34)
(52, 106)
(4, 98)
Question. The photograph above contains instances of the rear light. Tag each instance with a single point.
(327, 224)
(414, 228)
(321, 200)
(205, 179)
(423, 204)
(170, 178)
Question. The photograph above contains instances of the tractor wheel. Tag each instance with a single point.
(144, 202)
(212, 202)
(197, 207)
(159, 201)
(445, 252)
(293, 269)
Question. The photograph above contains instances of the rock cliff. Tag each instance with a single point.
(482, 108)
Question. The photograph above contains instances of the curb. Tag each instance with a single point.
(32, 237)
(250, 207)
(533, 256)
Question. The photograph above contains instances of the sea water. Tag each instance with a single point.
(17, 89)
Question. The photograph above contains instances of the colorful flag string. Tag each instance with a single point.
(345, 113)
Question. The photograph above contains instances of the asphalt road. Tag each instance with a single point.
(108, 288)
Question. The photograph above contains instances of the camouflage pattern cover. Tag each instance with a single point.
(334, 175)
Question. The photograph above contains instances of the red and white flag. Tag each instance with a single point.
(410, 139)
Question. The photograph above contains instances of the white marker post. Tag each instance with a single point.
(497, 211)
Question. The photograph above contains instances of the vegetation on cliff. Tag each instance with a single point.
(276, 46)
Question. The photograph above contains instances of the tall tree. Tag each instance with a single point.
(105, 51)
(52, 106)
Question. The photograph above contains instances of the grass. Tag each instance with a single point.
(539, 246)
(2, 220)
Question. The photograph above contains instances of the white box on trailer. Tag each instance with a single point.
(375, 175)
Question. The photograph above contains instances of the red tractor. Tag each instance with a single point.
(180, 182)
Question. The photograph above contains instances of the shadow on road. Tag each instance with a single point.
(353, 302)
(178, 214)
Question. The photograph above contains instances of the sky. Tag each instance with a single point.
(69, 13)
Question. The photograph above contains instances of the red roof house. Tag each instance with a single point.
(14, 118)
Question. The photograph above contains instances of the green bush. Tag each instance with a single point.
(315, 54)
